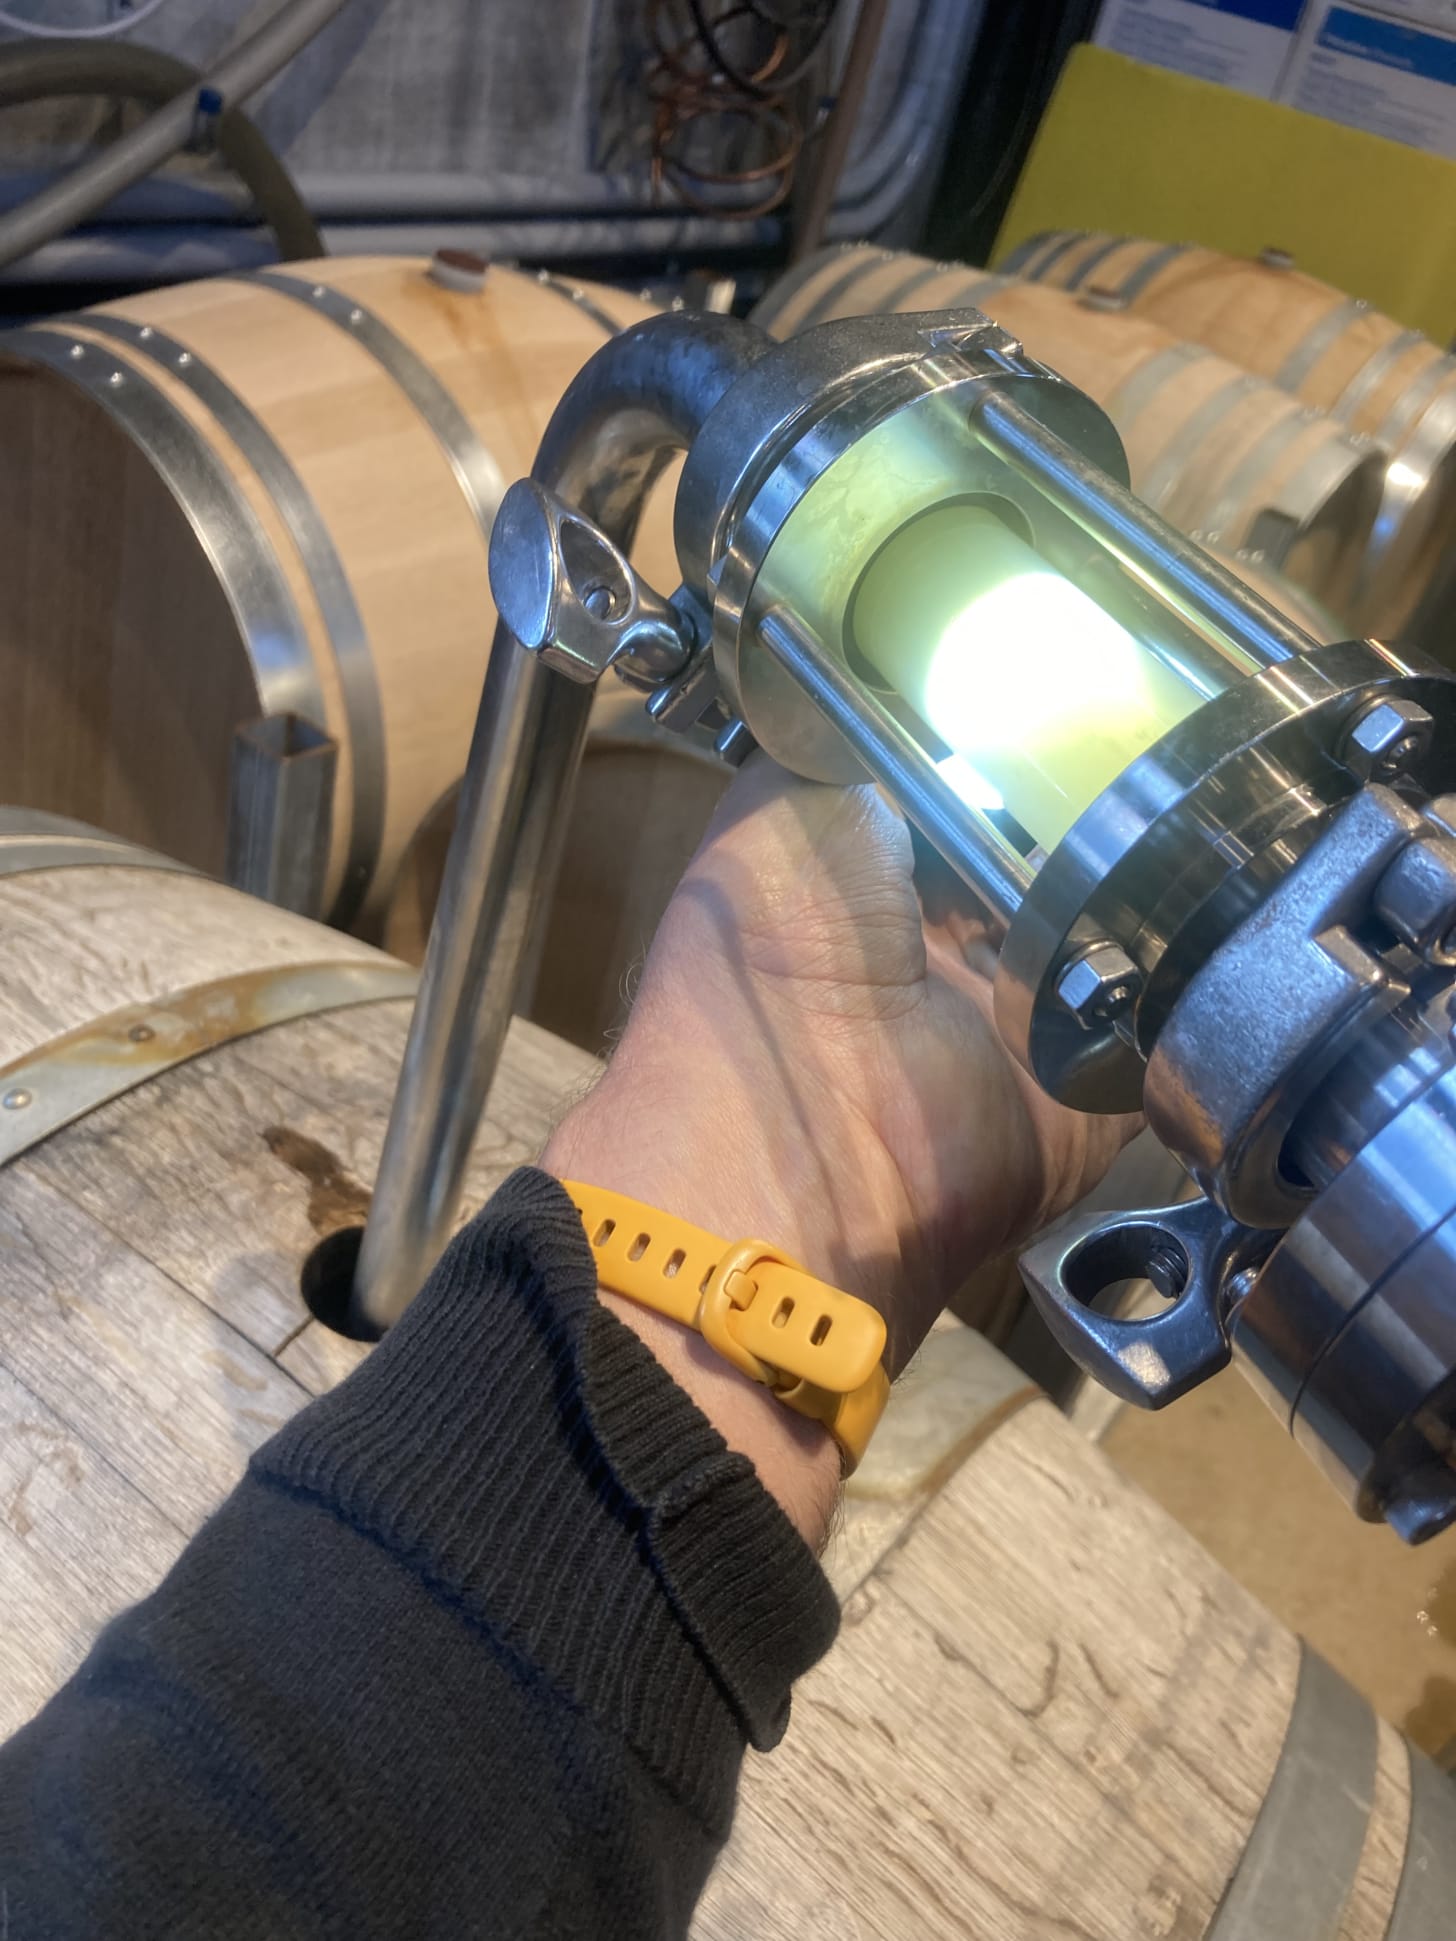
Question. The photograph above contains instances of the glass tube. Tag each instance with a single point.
(1019, 672)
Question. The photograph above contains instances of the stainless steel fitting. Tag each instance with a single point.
(1250, 932)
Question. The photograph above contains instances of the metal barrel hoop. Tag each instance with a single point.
(1092, 260)
(476, 471)
(582, 299)
(306, 527)
(1319, 338)
(1161, 482)
(1302, 1859)
(68, 1078)
(825, 298)
(1142, 274)
(224, 523)
(1241, 482)
(1373, 372)
(1141, 386)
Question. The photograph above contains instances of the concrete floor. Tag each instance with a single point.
(1383, 1614)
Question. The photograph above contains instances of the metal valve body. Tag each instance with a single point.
(1251, 932)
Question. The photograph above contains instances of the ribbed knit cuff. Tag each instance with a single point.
(527, 1457)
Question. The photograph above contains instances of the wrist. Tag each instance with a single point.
(797, 1460)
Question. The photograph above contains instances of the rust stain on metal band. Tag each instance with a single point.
(62, 1081)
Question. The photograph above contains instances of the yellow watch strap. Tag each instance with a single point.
(817, 1348)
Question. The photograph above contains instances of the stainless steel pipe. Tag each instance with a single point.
(642, 397)
(1193, 584)
(968, 842)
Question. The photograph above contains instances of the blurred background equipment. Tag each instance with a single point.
(1134, 150)
(131, 73)
(55, 209)
(620, 140)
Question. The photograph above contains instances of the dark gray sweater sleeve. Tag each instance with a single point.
(473, 1649)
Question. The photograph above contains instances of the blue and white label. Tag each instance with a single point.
(1384, 75)
(1244, 44)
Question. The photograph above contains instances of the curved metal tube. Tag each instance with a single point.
(43, 70)
(643, 396)
(255, 61)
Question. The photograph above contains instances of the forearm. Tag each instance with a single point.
(466, 1653)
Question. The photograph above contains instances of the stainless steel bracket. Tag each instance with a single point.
(1196, 1257)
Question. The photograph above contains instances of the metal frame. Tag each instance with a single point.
(107, 1057)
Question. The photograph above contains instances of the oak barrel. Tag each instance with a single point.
(643, 800)
(1332, 350)
(1050, 1712)
(261, 494)
(1233, 461)
(194, 1088)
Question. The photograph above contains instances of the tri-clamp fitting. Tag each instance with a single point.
(1249, 930)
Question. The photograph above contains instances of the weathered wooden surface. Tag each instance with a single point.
(228, 1176)
(1051, 1713)
(1367, 1915)
(79, 943)
(152, 1332)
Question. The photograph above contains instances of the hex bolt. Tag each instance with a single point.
(1417, 897)
(1384, 737)
(1100, 985)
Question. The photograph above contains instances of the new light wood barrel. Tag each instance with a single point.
(1050, 1713)
(643, 802)
(1330, 349)
(1233, 461)
(259, 494)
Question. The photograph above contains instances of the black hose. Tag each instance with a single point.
(42, 70)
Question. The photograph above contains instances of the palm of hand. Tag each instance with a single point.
(808, 1060)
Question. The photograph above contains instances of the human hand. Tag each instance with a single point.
(810, 1063)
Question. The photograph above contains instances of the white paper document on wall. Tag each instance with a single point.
(1244, 44)
(1392, 76)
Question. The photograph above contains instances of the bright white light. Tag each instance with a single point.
(969, 783)
(1044, 695)
(1033, 650)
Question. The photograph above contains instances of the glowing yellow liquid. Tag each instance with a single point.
(1016, 669)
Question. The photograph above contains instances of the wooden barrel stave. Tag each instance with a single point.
(150, 687)
(1228, 458)
(1047, 1715)
(152, 1328)
(79, 502)
(1050, 1710)
(1332, 351)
